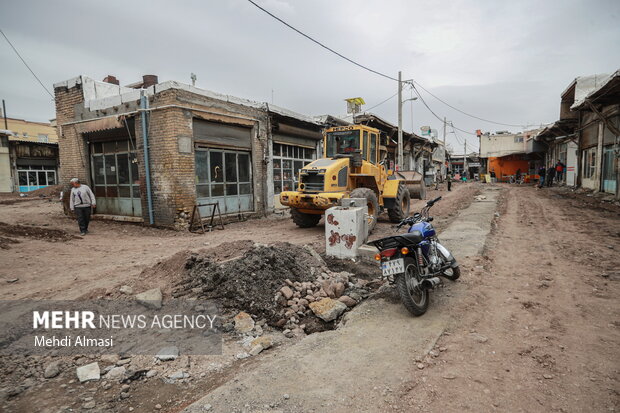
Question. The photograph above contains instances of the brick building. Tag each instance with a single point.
(203, 147)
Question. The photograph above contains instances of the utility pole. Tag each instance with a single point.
(6, 125)
(465, 157)
(400, 122)
(445, 152)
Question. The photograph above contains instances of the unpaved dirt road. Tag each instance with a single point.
(531, 326)
(116, 253)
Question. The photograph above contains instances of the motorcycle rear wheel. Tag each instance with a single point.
(409, 286)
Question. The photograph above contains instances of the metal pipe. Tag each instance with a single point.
(6, 123)
(145, 144)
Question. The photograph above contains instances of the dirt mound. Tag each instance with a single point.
(45, 234)
(250, 282)
(49, 191)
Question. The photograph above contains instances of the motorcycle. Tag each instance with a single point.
(414, 261)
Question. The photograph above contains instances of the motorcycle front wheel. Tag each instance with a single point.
(409, 286)
(452, 274)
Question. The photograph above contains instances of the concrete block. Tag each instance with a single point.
(367, 252)
(346, 230)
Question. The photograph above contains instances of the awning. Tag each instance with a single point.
(94, 125)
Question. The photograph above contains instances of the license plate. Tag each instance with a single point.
(393, 267)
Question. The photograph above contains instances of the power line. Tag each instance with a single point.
(322, 45)
(372, 107)
(465, 113)
(434, 114)
(26, 64)
(377, 72)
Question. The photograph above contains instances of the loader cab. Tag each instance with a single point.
(347, 140)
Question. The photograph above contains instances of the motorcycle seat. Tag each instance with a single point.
(414, 237)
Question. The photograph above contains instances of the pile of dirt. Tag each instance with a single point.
(250, 282)
(52, 191)
(45, 234)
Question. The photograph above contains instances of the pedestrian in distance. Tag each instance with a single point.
(541, 173)
(550, 176)
(518, 176)
(449, 178)
(82, 202)
(559, 171)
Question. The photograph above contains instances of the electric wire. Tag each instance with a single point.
(377, 72)
(26, 64)
(323, 45)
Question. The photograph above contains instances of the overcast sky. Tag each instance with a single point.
(507, 61)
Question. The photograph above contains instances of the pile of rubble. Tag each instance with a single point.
(249, 282)
(327, 297)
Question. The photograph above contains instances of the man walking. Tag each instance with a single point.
(542, 172)
(81, 201)
(550, 176)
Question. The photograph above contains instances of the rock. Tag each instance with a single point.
(348, 301)
(327, 309)
(338, 289)
(89, 405)
(168, 353)
(287, 292)
(286, 396)
(328, 287)
(117, 373)
(256, 350)
(158, 406)
(123, 362)
(88, 372)
(243, 355)
(433, 353)
(264, 341)
(125, 387)
(124, 395)
(420, 366)
(479, 337)
(125, 289)
(288, 333)
(52, 369)
(150, 299)
(178, 375)
(243, 322)
(206, 407)
(151, 373)
(548, 376)
(109, 358)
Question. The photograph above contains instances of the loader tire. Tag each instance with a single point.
(371, 202)
(401, 205)
(303, 220)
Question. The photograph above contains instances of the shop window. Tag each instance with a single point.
(288, 160)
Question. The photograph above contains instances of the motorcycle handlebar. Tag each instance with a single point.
(430, 203)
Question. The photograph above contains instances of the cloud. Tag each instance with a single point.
(505, 61)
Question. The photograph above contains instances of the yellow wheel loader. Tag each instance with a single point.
(350, 168)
